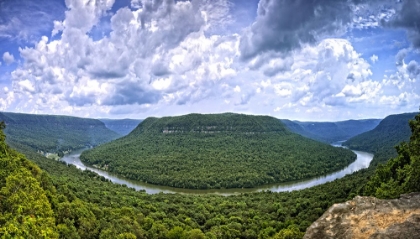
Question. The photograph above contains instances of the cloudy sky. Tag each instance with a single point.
(319, 60)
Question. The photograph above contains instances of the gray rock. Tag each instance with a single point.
(370, 218)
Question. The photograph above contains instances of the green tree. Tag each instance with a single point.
(25, 209)
(291, 232)
(401, 174)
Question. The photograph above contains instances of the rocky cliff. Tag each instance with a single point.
(369, 217)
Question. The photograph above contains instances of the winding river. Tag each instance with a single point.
(363, 160)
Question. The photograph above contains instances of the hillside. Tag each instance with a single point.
(216, 151)
(369, 217)
(330, 132)
(121, 126)
(55, 134)
(70, 203)
(383, 138)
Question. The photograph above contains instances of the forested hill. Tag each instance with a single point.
(69, 203)
(50, 133)
(210, 124)
(121, 126)
(216, 151)
(381, 140)
(330, 132)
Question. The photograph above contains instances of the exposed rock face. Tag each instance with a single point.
(369, 217)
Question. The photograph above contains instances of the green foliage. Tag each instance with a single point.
(216, 151)
(65, 202)
(402, 173)
(291, 232)
(330, 132)
(114, 209)
(382, 140)
(25, 211)
(50, 133)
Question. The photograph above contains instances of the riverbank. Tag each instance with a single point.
(363, 160)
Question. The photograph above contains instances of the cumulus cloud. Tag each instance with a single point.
(159, 52)
(399, 58)
(374, 58)
(172, 57)
(402, 89)
(136, 4)
(413, 69)
(17, 18)
(286, 25)
(8, 58)
(319, 80)
(408, 18)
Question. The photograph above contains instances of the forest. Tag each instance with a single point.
(81, 204)
(61, 201)
(55, 134)
(216, 151)
(381, 141)
(330, 132)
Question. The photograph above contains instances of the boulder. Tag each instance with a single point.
(369, 217)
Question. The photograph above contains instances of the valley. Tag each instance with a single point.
(362, 162)
(209, 119)
(84, 204)
(216, 151)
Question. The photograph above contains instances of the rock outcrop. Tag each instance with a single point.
(369, 217)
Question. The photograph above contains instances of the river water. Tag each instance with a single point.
(363, 160)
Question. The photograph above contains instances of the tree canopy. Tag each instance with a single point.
(402, 173)
(216, 151)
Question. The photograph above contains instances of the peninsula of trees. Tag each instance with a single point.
(44, 198)
(216, 151)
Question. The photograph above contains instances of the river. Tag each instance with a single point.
(363, 160)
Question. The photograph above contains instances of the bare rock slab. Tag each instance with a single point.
(369, 217)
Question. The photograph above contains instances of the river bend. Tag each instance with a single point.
(363, 160)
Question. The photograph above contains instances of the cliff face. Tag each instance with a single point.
(369, 217)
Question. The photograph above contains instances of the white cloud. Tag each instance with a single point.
(8, 58)
(152, 54)
(374, 58)
(26, 20)
(167, 57)
(136, 4)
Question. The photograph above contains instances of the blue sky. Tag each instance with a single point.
(321, 60)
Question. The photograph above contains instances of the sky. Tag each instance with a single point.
(309, 60)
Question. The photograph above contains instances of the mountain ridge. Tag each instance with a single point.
(382, 140)
(216, 151)
(55, 133)
(330, 132)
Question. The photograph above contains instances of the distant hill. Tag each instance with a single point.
(216, 151)
(121, 126)
(383, 138)
(330, 132)
(51, 133)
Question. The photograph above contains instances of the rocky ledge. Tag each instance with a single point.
(369, 217)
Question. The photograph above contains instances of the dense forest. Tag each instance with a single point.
(55, 134)
(382, 140)
(61, 201)
(330, 132)
(402, 173)
(216, 151)
(70, 203)
(121, 126)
